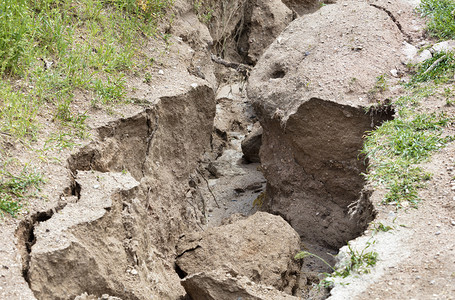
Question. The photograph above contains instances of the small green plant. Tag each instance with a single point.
(204, 12)
(356, 261)
(381, 83)
(61, 140)
(147, 77)
(379, 87)
(440, 68)
(14, 188)
(381, 227)
(441, 17)
(449, 96)
(303, 254)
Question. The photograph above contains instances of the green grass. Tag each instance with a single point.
(15, 188)
(396, 147)
(440, 69)
(52, 50)
(441, 17)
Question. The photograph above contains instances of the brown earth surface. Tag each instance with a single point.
(416, 258)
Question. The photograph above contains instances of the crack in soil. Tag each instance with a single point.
(390, 14)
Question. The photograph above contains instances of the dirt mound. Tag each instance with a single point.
(260, 247)
(310, 98)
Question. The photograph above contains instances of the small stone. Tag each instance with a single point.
(438, 233)
(432, 282)
(134, 272)
(194, 85)
(160, 72)
(96, 186)
(452, 222)
(394, 72)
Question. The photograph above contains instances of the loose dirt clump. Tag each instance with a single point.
(260, 247)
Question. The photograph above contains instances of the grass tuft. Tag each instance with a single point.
(394, 149)
(14, 188)
(441, 17)
(440, 69)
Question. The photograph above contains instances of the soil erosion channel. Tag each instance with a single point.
(162, 203)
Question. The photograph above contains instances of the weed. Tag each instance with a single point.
(61, 140)
(379, 87)
(147, 77)
(440, 68)
(110, 90)
(303, 254)
(204, 12)
(358, 261)
(449, 96)
(381, 227)
(396, 146)
(18, 111)
(441, 19)
(14, 188)
(355, 261)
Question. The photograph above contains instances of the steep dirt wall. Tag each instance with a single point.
(310, 90)
(117, 236)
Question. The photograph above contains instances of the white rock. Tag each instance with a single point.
(443, 46)
(394, 72)
(421, 57)
(409, 52)
(160, 72)
(194, 85)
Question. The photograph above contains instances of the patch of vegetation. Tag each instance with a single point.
(441, 17)
(359, 262)
(440, 69)
(396, 147)
(14, 188)
(49, 49)
(381, 227)
(203, 11)
(379, 87)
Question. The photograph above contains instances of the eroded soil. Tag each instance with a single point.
(416, 257)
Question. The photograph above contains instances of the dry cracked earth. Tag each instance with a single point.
(209, 187)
